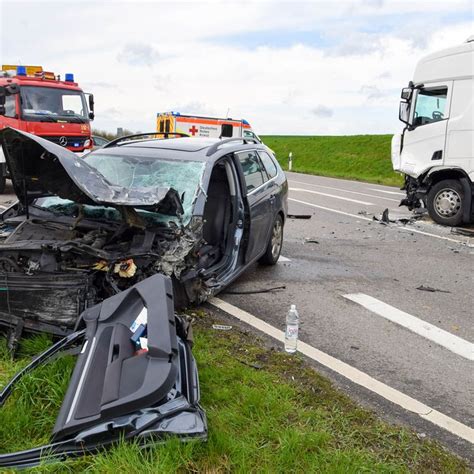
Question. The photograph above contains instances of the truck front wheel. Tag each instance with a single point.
(445, 202)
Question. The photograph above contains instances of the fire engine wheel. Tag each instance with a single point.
(445, 202)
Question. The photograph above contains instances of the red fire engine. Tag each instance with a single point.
(39, 102)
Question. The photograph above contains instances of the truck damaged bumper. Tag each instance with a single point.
(123, 387)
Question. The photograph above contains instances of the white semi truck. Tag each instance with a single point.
(435, 151)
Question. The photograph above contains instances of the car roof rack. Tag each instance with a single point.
(165, 135)
(216, 146)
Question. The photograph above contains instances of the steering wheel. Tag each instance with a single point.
(437, 115)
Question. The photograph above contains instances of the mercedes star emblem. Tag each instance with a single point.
(63, 141)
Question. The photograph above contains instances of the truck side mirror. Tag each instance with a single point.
(404, 112)
(91, 106)
(406, 93)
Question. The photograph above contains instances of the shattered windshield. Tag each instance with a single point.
(138, 173)
(48, 104)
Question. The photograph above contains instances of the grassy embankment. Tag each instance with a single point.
(267, 412)
(358, 157)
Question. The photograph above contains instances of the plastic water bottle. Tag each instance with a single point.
(291, 334)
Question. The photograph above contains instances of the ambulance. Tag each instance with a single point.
(199, 126)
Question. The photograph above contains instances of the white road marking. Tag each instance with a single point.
(345, 190)
(355, 375)
(405, 229)
(281, 258)
(387, 192)
(444, 338)
(332, 196)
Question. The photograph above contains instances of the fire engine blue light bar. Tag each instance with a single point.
(69, 77)
(21, 71)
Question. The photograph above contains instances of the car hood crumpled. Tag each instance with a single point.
(39, 168)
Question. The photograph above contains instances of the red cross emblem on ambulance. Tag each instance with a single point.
(193, 130)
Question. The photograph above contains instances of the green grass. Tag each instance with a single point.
(358, 157)
(267, 412)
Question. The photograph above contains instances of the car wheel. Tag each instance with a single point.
(273, 250)
(445, 202)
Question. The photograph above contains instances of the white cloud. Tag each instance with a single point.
(289, 68)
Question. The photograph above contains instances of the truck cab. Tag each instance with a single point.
(38, 102)
(435, 151)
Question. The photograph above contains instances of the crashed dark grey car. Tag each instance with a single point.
(199, 211)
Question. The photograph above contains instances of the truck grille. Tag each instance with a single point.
(71, 142)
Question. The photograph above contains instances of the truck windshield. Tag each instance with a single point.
(48, 104)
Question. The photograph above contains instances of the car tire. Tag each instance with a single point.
(275, 243)
(445, 202)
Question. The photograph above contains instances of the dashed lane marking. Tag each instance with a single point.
(345, 190)
(333, 196)
(404, 229)
(441, 337)
(387, 192)
(354, 375)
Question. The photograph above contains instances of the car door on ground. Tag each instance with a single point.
(260, 190)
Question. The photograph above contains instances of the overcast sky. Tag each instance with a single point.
(308, 68)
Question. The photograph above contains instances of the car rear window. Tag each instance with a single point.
(254, 172)
(269, 164)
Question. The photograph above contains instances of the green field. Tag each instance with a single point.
(267, 412)
(358, 157)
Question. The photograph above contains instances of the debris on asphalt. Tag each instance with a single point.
(221, 327)
(308, 240)
(431, 289)
(254, 292)
(462, 231)
(299, 216)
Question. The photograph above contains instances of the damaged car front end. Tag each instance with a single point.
(74, 238)
(122, 388)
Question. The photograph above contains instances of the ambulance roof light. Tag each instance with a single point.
(21, 71)
(245, 122)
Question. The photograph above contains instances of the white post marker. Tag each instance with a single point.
(355, 375)
(290, 161)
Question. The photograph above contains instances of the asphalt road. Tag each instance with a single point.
(342, 251)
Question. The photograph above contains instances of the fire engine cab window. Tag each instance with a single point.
(47, 104)
(430, 106)
(253, 170)
(10, 106)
